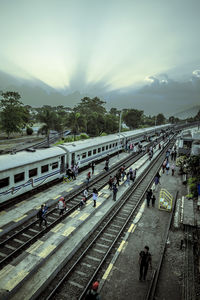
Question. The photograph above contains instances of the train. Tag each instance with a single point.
(24, 171)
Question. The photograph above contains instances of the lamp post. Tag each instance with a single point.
(155, 124)
(120, 120)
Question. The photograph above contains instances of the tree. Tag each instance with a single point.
(133, 118)
(74, 122)
(49, 120)
(89, 105)
(114, 111)
(160, 119)
(14, 116)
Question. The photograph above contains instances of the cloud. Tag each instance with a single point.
(196, 73)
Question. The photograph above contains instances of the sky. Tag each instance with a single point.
(142, 54)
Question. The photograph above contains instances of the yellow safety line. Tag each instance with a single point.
(84, 216)
(46, 251)
(107, 271)
(17, 220)
(9, 285)
(121, 246)
(57, 197)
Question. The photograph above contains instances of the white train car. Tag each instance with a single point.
(24, 171)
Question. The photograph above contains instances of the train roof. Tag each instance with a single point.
(8, 161)
(84, 144)
(92, 142)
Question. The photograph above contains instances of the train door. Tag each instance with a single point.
(73, 159)
(62, 164)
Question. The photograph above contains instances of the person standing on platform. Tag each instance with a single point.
(153, 199)
(145, 261)
(88, 178)
(110, 182)
(115, 190)
(167, 167)
(95, 196)
(149, 195)
(92, 167)
(173, 169)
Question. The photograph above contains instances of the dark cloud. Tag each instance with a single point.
(160, 94)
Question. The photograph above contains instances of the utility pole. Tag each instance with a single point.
(120, 120)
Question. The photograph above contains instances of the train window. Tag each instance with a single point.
(4, 182)
(110, 146)
(107, 147)
(19, 177)
(32, 172)
(94, 151)
(113, 145)
(99, 150)
(54, 165)
(44, 168)
(89, 153)
(103, 148)
(116, 144)
(84, 155)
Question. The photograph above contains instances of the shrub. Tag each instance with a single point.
(29, 131)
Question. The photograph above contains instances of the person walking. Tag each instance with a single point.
(106, 166)
(88, 178)
(157, 180)
(92, 167)
(164, 166)
(85, 193)
(145, 261)
(173, 169)
(127, 179)
(149, 195)
(153, 199)
(42, 216)
(117, 176)
(94, 196)
(115, 190)
(82, 203)
(92, 293)
(61, 205)
(110, 182)
(167, 167)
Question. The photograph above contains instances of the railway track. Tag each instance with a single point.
(89, 263)
(13, 243)
(188, 292)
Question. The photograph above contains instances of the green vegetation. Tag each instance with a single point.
(191, 166)
(29, 130)
(89, 116)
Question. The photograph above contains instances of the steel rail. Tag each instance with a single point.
(128, 194)
(128, 160)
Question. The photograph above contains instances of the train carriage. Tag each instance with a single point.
(24, 171)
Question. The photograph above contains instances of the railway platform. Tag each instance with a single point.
(26, 276)
(24, 210)
(121, 280)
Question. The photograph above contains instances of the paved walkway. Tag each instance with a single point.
(121, 279)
